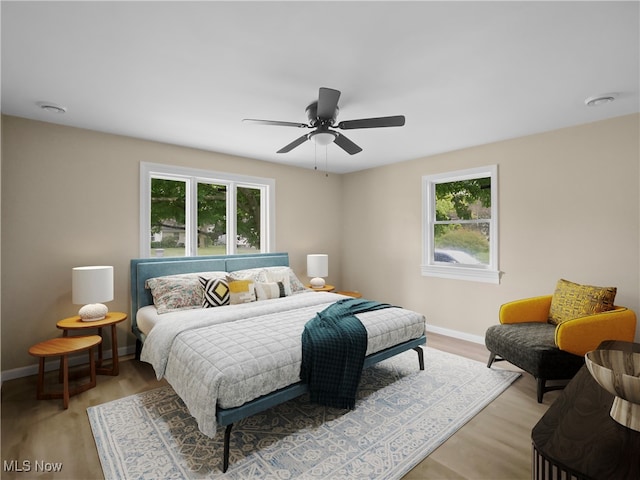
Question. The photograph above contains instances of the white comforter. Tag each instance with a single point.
(230, 355)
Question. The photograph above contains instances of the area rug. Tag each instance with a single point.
(402, 415)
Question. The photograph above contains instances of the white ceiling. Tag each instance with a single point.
(463, 73)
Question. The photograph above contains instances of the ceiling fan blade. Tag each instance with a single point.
(395, 121)
(346, 144)
(275, 123)
(327, 103)
(294, 144)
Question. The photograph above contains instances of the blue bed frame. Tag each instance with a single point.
(145, 268)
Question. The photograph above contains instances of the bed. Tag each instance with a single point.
(230, 362)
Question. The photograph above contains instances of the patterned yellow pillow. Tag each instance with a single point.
(241, 291)
(572, 300)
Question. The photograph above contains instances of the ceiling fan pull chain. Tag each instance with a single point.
(315, 166)
(326, 161)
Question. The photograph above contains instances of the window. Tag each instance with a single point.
(460, 225)
(189, 212)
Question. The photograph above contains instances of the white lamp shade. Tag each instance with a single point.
(318, 265)
(323, 138)
(92, 284)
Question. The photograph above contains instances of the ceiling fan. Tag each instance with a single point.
(322, 116)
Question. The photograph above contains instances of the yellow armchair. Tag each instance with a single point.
(577, 336)
(526, 339)
(534, 309)
(581, 335)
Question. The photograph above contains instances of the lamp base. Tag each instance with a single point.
(317, 282)
(93, 312)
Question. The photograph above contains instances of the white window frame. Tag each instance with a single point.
(192, 177)
(485, 273)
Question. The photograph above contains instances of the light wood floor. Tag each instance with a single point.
(495, 444)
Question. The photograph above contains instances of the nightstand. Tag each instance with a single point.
(326, 288)
(63, 347)
(112, 318)
(348, 293)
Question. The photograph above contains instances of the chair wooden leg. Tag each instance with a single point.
(92, 369)
(65, 381)
(40, 387)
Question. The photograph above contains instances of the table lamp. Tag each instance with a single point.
(317, 267)
(90, 286)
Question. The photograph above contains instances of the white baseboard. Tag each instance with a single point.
(55, 364)
(455, 334)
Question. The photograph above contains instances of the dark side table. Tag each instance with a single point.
(578, 439)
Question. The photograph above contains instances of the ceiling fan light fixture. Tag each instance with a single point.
(322, 138)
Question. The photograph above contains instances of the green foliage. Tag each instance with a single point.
(248, 202)
(212, 213)
(168, 241)
(168, 207)
(444, 205)
(461, 196)
(470, 241)
(167, 204)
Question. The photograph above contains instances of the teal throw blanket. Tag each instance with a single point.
(334, 344)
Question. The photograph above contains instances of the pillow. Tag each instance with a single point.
(281, 277)
(271, 274)
(255, 274)
(175, 294)
(216, 292)
(572, 300)
(274, 274)
(269, 290)
(189, 276)
(241, 291)
(178, 292)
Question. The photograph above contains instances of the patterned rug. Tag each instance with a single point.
(402, 415)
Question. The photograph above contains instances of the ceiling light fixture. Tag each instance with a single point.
(598, 100)
(322, 138)
(52, 107)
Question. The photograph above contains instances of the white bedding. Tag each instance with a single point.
(227, 356)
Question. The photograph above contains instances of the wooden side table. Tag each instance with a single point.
(350, 293)
(111, 320)
(63, 347)
(326, 288)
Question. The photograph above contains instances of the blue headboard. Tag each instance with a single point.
(144, 268)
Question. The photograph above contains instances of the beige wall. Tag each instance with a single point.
(70, 197)
(568, 207)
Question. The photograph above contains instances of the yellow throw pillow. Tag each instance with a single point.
(572, 300)
(241, 291)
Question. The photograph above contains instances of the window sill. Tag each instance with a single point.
(462, 273)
